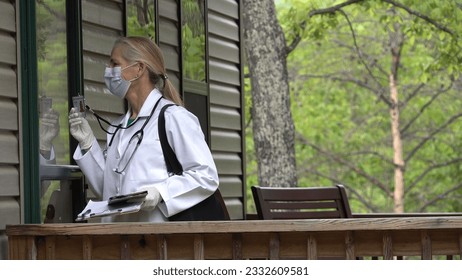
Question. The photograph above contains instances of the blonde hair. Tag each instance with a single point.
(143, 50)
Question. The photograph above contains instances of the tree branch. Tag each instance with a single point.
(338, 7)
(348, 164)
(357, 82)
(440, 197)
(419, 15)
(428, 170)
(329, 10)
(424, 107)
(430, 136)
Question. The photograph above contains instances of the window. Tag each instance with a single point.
(141, 18)
(52, 75)
(193, 39)
(60, 183)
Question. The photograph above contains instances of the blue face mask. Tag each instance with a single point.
(117, 85)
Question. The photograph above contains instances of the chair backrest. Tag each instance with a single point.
(301, 203)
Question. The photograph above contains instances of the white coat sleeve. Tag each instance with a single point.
(200, 177)
(92, 164)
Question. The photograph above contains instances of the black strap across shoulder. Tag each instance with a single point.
(173, 165)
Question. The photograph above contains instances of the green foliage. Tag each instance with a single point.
(193, 40)
(136, 29)
(193, 54)
(251, 160)
(140, 20)
(342, 122)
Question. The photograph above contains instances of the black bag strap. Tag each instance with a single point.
(173, 165)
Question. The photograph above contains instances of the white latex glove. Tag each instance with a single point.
(152, 199)
(49, 129)
(80, 129)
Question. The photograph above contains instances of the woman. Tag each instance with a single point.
(133, 160)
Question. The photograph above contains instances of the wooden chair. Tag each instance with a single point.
(301, 203)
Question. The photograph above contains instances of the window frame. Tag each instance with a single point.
(29, 104)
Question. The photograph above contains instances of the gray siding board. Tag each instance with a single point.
(8, 47)
(98, 41)
(234, 207)
(9, 181)
(8, 115)
(8, 82)
(9, 153)
(7, 17)
(227, 118)
(225, 95)
(225, 7)
(169, 34)
(223, 50)
(103, 13)
(98, 95)
(168, 9)
(227, 141)
(9, 211)
(94, 66)
(171, 58)
(224, 72)
(228, 164)
(230, 186)
(223, 27)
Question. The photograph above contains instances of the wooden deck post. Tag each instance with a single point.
(237, 246)
(87, 247)
(274, 246)
(311, 248)
(124, 248)
(162, 247)
(198, 247)
(426, 245)
(350, 246)
(387, 246)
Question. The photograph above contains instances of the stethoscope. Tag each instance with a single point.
(138, 134)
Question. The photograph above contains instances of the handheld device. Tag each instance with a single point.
(45, 105)
(79, 104)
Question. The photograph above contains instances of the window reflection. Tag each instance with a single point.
(193, 36)
(141, 18)
(56, 197)
(52, 76)
(53, 107)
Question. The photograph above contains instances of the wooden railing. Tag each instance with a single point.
(382, 238)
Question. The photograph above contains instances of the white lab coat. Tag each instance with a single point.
(147, 167)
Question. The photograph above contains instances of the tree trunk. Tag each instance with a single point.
(397, 149)
(396, 43)
(273, 127)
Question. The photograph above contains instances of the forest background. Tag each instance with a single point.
(375, 99)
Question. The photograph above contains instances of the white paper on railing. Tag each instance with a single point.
(96, 209)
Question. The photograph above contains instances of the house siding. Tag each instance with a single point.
(226, 106)
(10, 210)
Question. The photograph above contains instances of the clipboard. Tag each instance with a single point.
(127, 198)
(116, 205)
